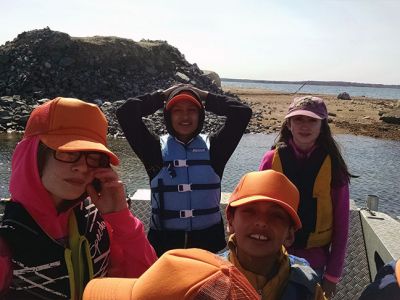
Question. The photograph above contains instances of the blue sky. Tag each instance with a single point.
(344, 40)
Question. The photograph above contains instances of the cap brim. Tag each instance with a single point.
(260, 198)
(77, 143)
(109, 289)
(182, 97)
(304, 113)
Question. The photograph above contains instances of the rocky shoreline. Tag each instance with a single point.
(378, 118)
(15, 111)
(359, 116)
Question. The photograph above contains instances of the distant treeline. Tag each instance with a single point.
(310, 82)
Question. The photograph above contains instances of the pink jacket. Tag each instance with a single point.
(131, 253)
(319, 257)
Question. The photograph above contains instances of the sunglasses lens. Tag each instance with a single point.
(69, 157)
(93, 159)
(97, 160)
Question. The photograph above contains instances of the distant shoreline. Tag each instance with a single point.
(312, 82)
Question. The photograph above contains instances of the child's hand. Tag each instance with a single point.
(329, 288)
(169, 90)
(111, 197)
(203, 94)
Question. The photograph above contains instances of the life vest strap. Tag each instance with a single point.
(177, 163)
(186, 187)
(184, 213)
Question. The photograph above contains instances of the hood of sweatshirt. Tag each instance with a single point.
(27, 189)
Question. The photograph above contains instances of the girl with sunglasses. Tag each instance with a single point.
(67, 220)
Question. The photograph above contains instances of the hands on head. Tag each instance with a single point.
(203, 94)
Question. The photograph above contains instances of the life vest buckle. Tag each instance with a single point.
(180, 163)
(184, 187)
(186, 213)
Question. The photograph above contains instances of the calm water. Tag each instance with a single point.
(379, 93)
(375, 161)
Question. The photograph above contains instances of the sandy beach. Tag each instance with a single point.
(359, 116)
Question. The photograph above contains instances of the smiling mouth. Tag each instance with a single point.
(259, 237)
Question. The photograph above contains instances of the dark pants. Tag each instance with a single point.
(211, 239)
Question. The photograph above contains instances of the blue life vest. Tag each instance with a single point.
(302, 280)
(186, 193)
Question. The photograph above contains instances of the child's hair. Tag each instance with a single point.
(43, 153)
(325, 140)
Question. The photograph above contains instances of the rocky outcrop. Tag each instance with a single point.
(46, 63)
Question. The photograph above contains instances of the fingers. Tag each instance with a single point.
(106, 175)
(329, 295)
(112, 196)
(329, 288)
(110, 183)
(169, 90)
(92, 193)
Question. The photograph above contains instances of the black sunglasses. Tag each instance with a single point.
(93, 159)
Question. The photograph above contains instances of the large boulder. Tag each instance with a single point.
(344, 96)
(392, 116)
(213, 76)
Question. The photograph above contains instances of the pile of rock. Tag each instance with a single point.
(46, 63)
(43, 64)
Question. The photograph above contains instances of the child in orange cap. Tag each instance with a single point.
(60, 230)
(262, 219)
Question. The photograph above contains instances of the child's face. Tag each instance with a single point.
(184, 119)
(305, 131)
(64, 180)
(261, 228)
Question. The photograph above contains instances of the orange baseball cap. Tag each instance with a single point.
(267, 186)
(68, 124)
(397, 271)
(177, 274)
(183, 96)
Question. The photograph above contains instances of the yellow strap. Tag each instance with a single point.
(82, 266)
